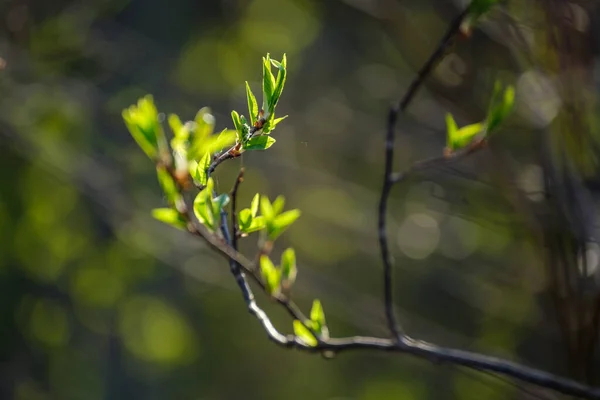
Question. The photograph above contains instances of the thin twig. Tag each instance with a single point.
(234, 225)
(389, 179)
(383, 242)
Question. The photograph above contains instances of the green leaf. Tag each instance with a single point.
(316, 313)
(219, 202)
(238, 124)
(261, 142)
(268, 84)
(257, 224)
(282, 222)
(509, 100)
(271, 275)
(266, 208)
(288, 268)
(317, 316)
(200, 173)
(168, 185)
(271, 123)
(205, 124)
(254, 204)
(203, 207)
(226, 138)
(278, 205)
(201, 138)
(465, 135)
(170, 217)
(252, 104)
(304, 334)
(278, 120)
(500, 108)
(451, 129)
(281, 75)
(244, 219)
(142, 122)
(177, 126)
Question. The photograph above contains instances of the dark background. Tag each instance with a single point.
(99, 301)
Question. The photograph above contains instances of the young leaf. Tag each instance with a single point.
(288, 268)
(177, 127)
(252, 104)
(509, 100)
(500, 108)
(271, 275)
(205, 124)
(316, 313)
(304, 334)
(215, 143)
(168, 185)
(254, 204)
(257, 224)
(238, 124)
(465, 135)
(282, 222)
(278, 120)
(169, 216)
(317, 316)
(261, 142)
(204, 211)
(199, 173)
(142, 122)
(281, 75)
(266, 208)
(451, 128)
(203, 207)
(278, 205)
(244, 220)
(268, 85)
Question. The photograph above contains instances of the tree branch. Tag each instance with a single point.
(389, 179)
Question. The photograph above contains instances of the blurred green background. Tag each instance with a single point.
(99, 301)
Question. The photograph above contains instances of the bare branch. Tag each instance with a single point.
(389, 179)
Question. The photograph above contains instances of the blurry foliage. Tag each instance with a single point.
(89, 315)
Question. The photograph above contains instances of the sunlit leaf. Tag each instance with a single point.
(176, 126)
(254, 204)
(261, 142)
(282, 222)
(200, 172)
(266, 208)
(205, 124)
(271, 275)
(237, 123)
(215, 143)
(203, 207)
(170, 216)
(168, 185)
(280, 82)
(142, 122)
(304, 334)
(244, 219)
(317, 315)
(278, 205)
(465, 135)
(268, 84)
(288, 267)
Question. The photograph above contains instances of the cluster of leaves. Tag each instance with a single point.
(316, 327)
(188, 158)
(254, 135)
(500, 107)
